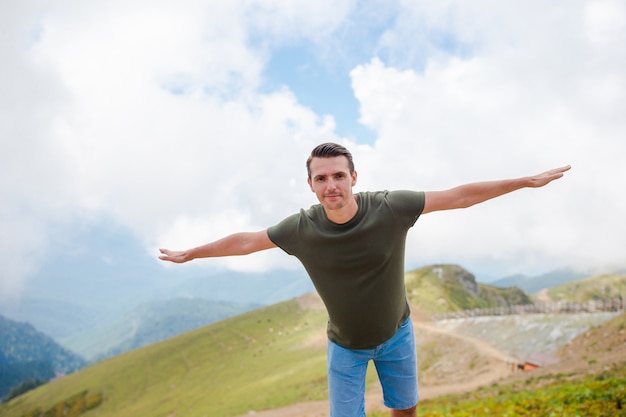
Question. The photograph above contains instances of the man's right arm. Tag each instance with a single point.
(236, 244)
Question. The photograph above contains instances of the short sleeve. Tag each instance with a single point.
(407, 204)
(285, 234)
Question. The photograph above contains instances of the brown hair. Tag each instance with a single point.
(329, 150)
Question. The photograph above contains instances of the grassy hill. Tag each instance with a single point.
(442, 288)
(593, 288)
(261, 359)
(267, 358)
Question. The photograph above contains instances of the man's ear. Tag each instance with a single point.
(354, 175)
(308, 180)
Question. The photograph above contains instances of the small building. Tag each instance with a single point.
(537, 360)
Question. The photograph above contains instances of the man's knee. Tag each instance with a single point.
(409, 412)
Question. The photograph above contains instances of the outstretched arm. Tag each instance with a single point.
(469, 194)
(235, 244)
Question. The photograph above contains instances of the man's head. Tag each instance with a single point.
(329, 150)
(331, 178)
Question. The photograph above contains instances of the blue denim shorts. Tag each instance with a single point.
(396, 365)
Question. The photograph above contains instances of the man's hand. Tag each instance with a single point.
(547, 177)
(176, 256)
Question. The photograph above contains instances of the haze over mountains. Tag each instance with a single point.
(67, 310)
(98, 321)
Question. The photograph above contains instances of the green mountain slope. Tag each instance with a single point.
(262, 359)
(443, 288)
(601, 287)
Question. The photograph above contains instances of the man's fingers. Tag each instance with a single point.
(167, 254)
(561, 170)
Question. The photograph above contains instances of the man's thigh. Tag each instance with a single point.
(396, 365)
(346, 381)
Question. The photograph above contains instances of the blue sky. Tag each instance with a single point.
(176, 124)
(325, 89)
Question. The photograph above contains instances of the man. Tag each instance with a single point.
(352, 246)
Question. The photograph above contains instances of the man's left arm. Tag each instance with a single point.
(468, 195)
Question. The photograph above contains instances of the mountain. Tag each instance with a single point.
(246, 287)
(26, 353)
(260, 359)
(151, 322)
(21, 342)
(539, 282)
(54, 317)
(602, 287)
(67, 313)
(275, 356)
(263, 359)
(14, 375)
(442, 288)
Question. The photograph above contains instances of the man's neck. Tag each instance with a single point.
(344, 214)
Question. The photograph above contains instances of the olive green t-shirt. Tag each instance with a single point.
(356, 267)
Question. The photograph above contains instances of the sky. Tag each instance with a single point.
(176, 123)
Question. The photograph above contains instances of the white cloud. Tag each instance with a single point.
(148, 113)
(289, 20)
(522, 101)
(154, 114)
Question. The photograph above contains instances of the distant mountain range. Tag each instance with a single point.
(533, 284)
(29, 356)
(150, 323)
(26, 353)
(66, 318)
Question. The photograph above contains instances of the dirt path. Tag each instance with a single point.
(481, 346)
(373, 397)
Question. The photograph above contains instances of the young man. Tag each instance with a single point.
(352, 246)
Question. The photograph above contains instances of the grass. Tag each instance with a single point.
(443, 288)
(594, 288)
(600, 396)
(255, 361)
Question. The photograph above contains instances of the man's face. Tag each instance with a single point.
(332, 182)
